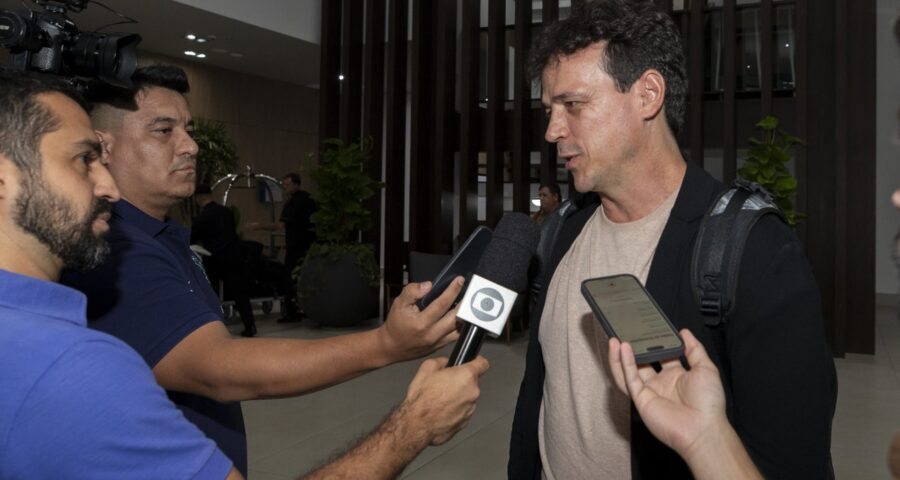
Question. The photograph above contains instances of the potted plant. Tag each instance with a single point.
(217, 156)
(338, 280)
(766, 164)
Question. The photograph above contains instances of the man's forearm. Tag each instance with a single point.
(246, 369)
(381, 455)
(721, 455)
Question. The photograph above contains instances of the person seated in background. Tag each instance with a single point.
(215, 230)
(299, 235)
(79, 403)
(152, 292)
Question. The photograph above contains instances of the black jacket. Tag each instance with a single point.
(777, 370)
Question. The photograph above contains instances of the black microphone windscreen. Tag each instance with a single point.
(506, 258)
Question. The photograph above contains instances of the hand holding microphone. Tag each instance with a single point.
(490, 294)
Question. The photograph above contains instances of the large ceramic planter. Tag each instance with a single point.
(335, 294)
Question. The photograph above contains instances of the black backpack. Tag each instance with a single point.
(720, 243)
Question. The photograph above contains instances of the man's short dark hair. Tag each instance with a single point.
(24, 120)
(554, 189)
(638, 37)
(163, 76)
(295, 178)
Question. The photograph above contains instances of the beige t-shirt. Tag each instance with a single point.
(583, 428)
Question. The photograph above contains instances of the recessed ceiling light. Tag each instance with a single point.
(201, 40)
(201, 55)
(340, 77)
(190, 53)
(236, 55)
(190, 36)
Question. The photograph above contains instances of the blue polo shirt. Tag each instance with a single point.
(152, 293)
(77, 403)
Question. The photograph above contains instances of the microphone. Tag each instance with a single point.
(501, 273)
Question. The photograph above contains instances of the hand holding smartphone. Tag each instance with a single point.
(462, 264)
(627, 311)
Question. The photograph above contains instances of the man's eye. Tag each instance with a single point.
(89, 157)
(165, 131)
(572, 104)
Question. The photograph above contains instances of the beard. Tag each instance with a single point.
(55, 223)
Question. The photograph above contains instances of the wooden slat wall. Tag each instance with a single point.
(766, 56)
(550, 13)
(373, 107)
(444, 125)
(351, 68)
(695, 79)
(395, 142)
(858, 170)
(521, 147)
(422, 226)
(469, 118)
(496, 95)
(729, 100)
(834, 44)
(329, 68)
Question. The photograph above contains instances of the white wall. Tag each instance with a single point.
(887, 149)
(295, 18)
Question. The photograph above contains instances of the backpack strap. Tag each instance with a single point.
(720, 243)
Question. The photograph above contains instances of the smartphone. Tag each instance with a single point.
(626, 311)
(462, 264)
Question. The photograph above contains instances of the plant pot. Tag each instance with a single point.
(336, 294)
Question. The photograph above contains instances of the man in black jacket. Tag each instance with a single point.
(614, 88)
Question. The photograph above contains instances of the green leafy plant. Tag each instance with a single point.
(217, 156)
(343, 188)
(766, 164)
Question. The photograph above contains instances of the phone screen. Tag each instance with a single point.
(632, 315)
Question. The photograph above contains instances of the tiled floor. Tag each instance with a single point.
(291, 436)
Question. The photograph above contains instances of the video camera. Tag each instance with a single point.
(49, 42)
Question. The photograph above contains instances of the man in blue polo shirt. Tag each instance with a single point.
(78, 403)
(152, 292)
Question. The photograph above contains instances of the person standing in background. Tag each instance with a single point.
(299, 235)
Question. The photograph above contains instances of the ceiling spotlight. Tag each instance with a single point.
(201, 55)
(190, 53)
(190, 36)
(341, 77)
(201, 40)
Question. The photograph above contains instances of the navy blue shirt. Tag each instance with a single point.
(77, 403)
(152, 293)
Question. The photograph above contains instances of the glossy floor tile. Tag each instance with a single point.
(288, 437)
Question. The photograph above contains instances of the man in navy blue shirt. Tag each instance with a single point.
(152, 292)
(78, 403)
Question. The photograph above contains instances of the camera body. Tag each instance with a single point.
(49, 42)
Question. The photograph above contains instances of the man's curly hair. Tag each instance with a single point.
(638, 37)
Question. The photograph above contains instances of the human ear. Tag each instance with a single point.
(652, 91)
(107, 139)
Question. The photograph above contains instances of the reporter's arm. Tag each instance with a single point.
(439, 403)
(685, 409)
(209, 362)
